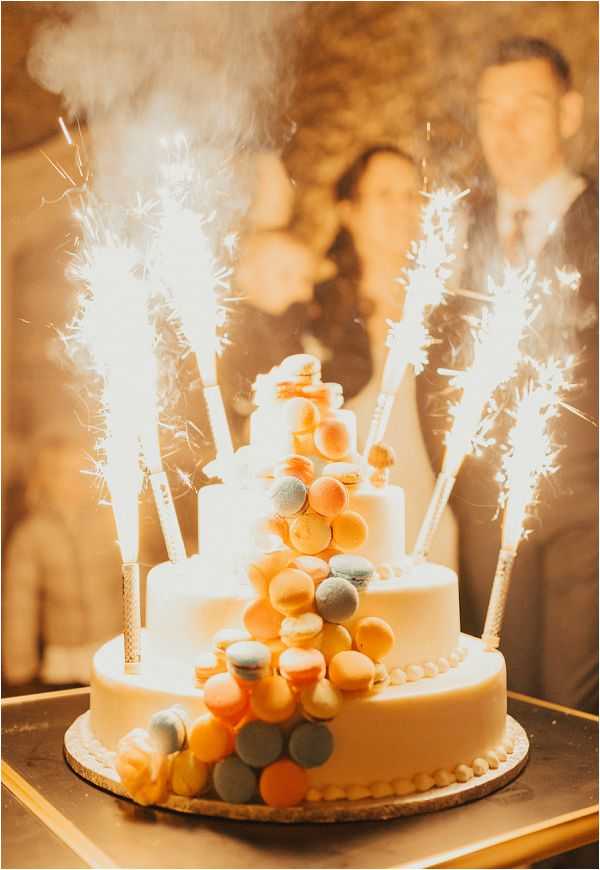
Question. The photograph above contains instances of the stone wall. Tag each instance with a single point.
(382, 71)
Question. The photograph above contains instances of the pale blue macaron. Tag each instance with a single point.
(288, 496)
(167, 730)
(336, 599)
(311, 744)
(234, 781)
(249, 660)
(259, 743)
(356, 569)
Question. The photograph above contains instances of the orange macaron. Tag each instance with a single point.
(225, 698)
(302, 666)
(210, 739)
(332, 439)
(350, 531)
(351, 671)
(261, 619)
(291, 591)
(328, 497)
(283, 784)
(273, 700)
(310, 533)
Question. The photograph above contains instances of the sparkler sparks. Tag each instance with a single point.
(409, 339)
(531, 454)
(496, 356)
(193, 281)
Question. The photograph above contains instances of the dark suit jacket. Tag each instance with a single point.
(550, 629)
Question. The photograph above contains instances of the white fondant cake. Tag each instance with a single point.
(373, 689)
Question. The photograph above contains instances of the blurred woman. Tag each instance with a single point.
(62, 579)
(378, 201)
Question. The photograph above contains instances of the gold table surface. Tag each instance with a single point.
(52, 818)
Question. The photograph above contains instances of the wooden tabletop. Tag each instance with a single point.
(52, 818)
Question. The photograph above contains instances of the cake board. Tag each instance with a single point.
(92, 761)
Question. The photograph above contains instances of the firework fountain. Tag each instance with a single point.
(496, 356)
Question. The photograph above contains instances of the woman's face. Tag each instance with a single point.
(383, 216)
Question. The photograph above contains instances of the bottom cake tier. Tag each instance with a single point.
(411, 736)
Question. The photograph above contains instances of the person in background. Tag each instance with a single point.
(378, 200)
(539, 210)
(272, 284)
(61, 579)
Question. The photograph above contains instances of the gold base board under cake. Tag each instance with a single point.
(88, 758)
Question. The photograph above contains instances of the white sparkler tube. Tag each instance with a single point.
(379, 420)
(393, 372)
(219, 426)
(167, 516)
(132, 624)
(444, 485)
(497, 604)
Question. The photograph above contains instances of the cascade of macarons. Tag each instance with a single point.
(272, 685)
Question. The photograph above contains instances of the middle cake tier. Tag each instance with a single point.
(189, 602)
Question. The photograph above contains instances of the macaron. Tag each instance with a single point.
(351, 671)
(348, 473)
(188, 775)
(336, 599)
(291, 591)
(356, 569)
(302, 666)
(225, 698)
(301, 365)
(168, 730)
(249, 660)
(301, 630)
(234, 781)
(321, 700)
(349, 530)
(273, 700)
(374, 637)
(207, 665)
(224, 638)
(332, 439)
(314, 566)
(296, 465)
(288, 496)
(210, 739)
(310, 744)
(261, 571)
(328, 496)
(310, 533)
(283, 783)
(259, 743)
(301, 415)
(261, 619)
(334, 639)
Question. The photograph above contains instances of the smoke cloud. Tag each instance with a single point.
(219, 72)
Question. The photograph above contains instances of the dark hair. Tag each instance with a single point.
(339, 313)
(342, 251)
(529, 48)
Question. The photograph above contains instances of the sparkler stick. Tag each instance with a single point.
(495, 359)
(187, 267)
(530, 455)
(408, 340)
(122, 475)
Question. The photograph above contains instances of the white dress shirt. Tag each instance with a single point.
(546, 205)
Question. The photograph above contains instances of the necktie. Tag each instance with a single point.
(516, 244)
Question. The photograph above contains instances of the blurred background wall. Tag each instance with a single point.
(367, 72)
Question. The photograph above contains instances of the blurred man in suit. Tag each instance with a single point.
(538, 209)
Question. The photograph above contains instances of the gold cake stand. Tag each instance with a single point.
(91, 760)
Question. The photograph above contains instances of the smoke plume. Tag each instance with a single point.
(219, 72)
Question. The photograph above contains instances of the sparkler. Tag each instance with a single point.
(116, 327)
(187, 268)
(408, 340)
(496, 356)
(530, 455)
